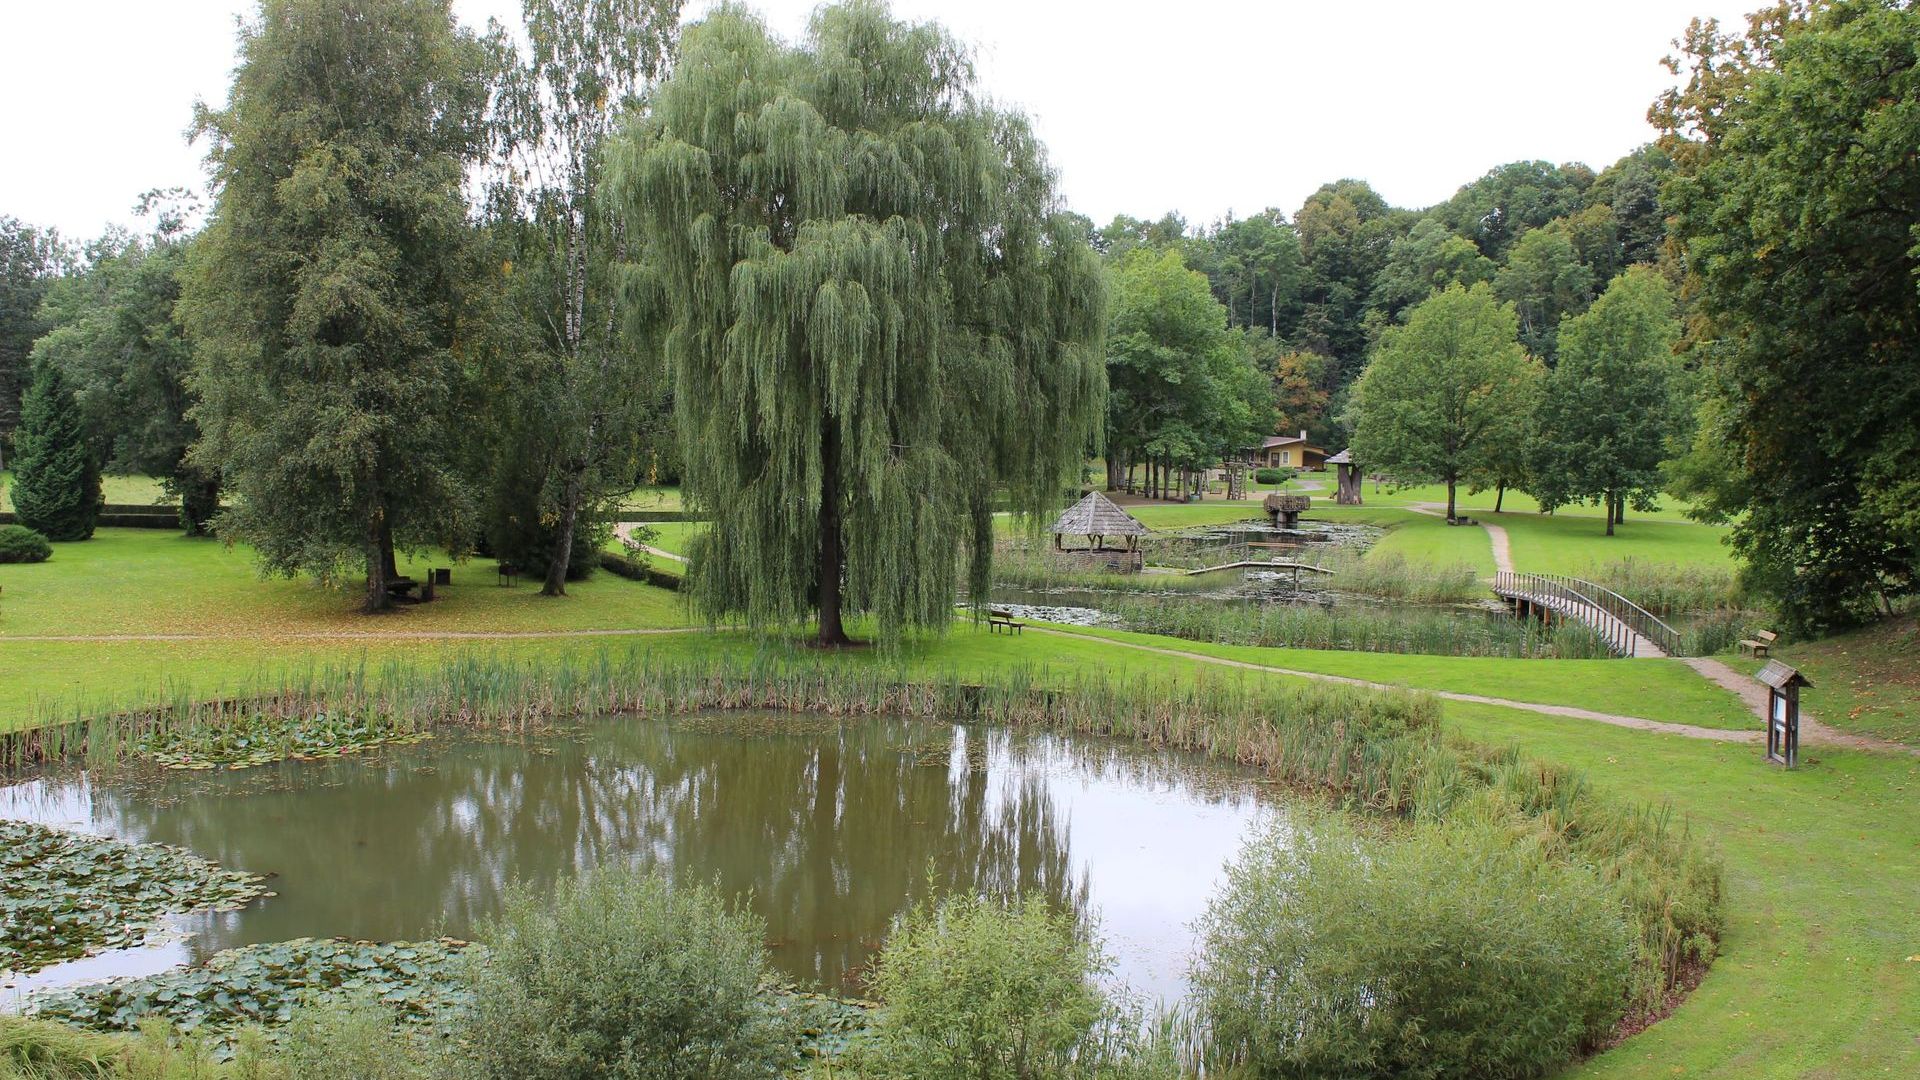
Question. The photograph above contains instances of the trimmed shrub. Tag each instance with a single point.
(617, 975)
(1272, 476)
(998, 990)
(19, 544)
(1451, 951)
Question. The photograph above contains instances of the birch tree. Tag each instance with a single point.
(583, 65)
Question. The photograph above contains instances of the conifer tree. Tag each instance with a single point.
(56, 484)
(876, 319)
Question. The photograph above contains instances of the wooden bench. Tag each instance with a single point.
(998, 617)
(1760, 644)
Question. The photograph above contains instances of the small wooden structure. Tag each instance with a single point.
(1097, 518)
(1002, 619)
(1347, 474)
(1783, 712)
(1235, 474)
(1760, 644)
(1285, 510)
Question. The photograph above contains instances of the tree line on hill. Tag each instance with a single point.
(460, 289)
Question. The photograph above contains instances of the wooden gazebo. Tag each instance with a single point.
(1097, 518)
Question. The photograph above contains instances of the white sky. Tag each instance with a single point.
(1200, 106)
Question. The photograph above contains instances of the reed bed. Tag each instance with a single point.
(1363, 628)
(1046, 570)
(1670, 589)
(1374, 751)
(1390, 576)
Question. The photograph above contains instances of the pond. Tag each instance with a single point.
(831, 827)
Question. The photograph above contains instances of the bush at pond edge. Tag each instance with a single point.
(1447, 951)
(615, 974)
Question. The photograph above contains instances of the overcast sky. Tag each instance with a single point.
(1199, 106)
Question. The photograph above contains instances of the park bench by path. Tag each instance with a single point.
(1761, 644)
(999, 617)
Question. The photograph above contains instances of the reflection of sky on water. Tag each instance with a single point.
(830, 827)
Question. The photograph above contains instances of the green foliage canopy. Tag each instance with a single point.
(323, 294)
(1182, 389)
(874, 316)
(1445, 393)
(114, 332)
(1610, 408)
(1796, 199)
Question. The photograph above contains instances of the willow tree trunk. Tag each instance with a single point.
(832, 558)
(1610, 505)
(1499, 496)
(1451, 480)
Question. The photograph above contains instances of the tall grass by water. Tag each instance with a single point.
(1362, 628)
(1375, 751)
(1670, 589)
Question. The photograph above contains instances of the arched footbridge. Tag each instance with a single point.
(1627, 628)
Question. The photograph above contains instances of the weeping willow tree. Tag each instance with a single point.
(877, 320)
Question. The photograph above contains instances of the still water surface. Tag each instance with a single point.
(830, 826)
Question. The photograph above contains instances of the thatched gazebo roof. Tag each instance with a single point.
(1344, 457)
(1096, 515)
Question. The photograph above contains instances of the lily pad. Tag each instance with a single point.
(65, 895)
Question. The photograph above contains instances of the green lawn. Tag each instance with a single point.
(675, 536)
(1664, 690)
(1573, 545)
(1820, 969)
(131, 490)
(1822, 899)
(144, 581)
(1866, 681)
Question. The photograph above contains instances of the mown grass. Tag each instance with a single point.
(1664, 690)
(1866, 681)
(1822, 892)
(143, 581)
(114, 488)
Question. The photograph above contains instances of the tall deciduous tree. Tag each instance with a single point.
(584, 65)
(1444, 393)
(1183, 388)
(875, 317)
(1609, 411)
(114, 332)
(1797, 202)
(325, 290)
(56, 481)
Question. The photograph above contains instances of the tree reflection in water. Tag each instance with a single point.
(831, 827)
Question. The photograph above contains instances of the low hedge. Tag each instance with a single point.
(636, 570)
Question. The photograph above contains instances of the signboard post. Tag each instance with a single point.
(1783, 712)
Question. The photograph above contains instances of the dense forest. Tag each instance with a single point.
(1727, 313)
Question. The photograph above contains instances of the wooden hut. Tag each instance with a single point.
(1348, 475)
(1100, 521)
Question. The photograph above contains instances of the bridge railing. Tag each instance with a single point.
(1620, 621)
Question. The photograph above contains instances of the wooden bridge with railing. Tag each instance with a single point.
(1627, 628)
